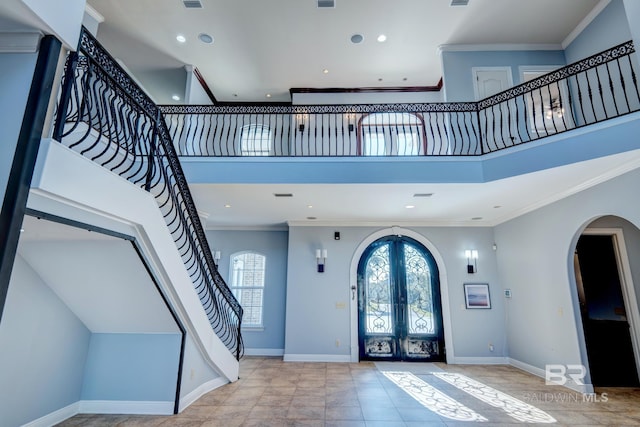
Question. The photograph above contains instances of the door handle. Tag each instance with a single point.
(353, 292)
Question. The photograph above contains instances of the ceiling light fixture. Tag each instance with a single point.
(181, 38)
(175, 98)
(357, 38)
(325, 71)
(382, 38)
(410, 206)
(268, 95)
(227, 206)
(205, 38)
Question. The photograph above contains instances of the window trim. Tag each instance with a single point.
(233, 288)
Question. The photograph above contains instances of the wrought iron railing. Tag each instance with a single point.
(104, 115)
(597, 88)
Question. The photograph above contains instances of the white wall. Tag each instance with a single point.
(318, 304)
(61, 186)
(535, 259)
(62, 18)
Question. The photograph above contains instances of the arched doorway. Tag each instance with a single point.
(608, 307)
(399, 305)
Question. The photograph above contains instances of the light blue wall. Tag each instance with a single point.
(457, 67)
(132, 367)
(608, 29)
(535, 259)
(16, 70)
(632, 9)
(43, 348)
(273, 245)
(318, 311)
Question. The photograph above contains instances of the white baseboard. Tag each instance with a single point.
(580, 388)
(264, 351)
(201, 390)
(55, 417)
(102, 407)
(126, 407)
(341, 358)
(480, 361)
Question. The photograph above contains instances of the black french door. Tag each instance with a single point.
(400, 312)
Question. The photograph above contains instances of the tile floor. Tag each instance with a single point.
(275, 393)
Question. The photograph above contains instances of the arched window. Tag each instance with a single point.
(255, 140)
(247, 284)
(391, 134)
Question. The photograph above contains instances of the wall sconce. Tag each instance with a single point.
(351, 118)
(216, 257)
(301, 118)
(472, 260)
(321, 259)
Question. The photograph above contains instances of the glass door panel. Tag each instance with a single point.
(399, 302)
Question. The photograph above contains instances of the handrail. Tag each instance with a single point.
(597, 88)
(104, 115)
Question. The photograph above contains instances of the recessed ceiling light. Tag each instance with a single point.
(227, 206)
(235, 95)
(476, 218)
(325, 71)
(312, 217)
(357, 38)
(309, 206)
(175, 98)
(205, 38)
(410, 206)
(22, 230)
(380, 79)
(382, 38)
(422, 194)
(404, 79)
(268, 95)
(181, 38)
(497, 207)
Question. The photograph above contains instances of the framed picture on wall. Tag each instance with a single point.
(476, 295)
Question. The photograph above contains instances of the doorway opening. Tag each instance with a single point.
(608, 308)
(399, 304)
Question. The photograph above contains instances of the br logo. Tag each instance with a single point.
(559, 374)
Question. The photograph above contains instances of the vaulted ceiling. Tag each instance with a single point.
(269, 46)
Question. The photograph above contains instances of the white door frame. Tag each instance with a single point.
(626, 284)
(474, 73)
(444, 289)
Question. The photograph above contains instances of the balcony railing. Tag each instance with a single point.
(105, 116)
(598, 88)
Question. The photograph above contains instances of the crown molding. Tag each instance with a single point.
(406, 224)
(20, 42)
(585, 23)
(497, 47)
(94, 13)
